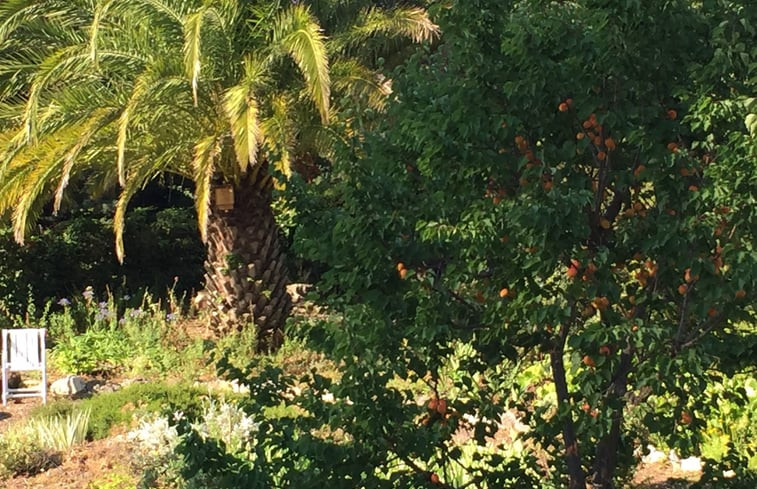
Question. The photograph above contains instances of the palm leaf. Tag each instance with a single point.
(243, 111)
(412, 23)
(298, 34)
(192, 48)
(99, 120)
(203, 165)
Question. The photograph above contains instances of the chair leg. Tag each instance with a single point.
(5, 386)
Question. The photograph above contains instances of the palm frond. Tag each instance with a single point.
(192, 48)
(361, 83)
(132, 186)
(279, 134)
(100, 11)
(242, 109)
(411, 23)
(203, 166)
(63, 64)
(298, 34)
(98, 120)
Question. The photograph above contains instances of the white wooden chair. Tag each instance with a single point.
(24, 351)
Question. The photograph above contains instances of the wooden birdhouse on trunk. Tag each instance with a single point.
(223, 198)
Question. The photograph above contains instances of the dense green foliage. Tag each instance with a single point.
(568, 185)
(539, 261)
(70, 253)
(118, 408)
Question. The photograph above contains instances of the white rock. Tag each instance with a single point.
(655, 456)
(69, 385)
(691, 464)
(238, 388)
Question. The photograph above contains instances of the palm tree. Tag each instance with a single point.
(219, 92)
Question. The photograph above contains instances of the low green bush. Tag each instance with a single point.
(117, 408)
(21, 454)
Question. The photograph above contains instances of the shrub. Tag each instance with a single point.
(97, 337)
(111, 409)
(22, 454)
(222, 428)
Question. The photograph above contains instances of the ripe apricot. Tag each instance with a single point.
(580, 135)
(569, 102)
(740, 294)
(588, 361)
(434, 479)
(604, 350)
(403, 273)
(672, 114)
(597, 141)
(686, 418)
(441, 406)
(693, 188)
(682, 289)
(585, 407)
(712, 312)
(685, 172)
(605, 223)
(548, 185)
(432, 403)
(673, 147)
(572, 271)
(400, 266)
(639, 170)
(563, 107)
(519, 140)
(503, 292)
(601, 156)
(587, 124)
(600, 303)
(610, 144)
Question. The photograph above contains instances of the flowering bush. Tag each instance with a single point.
(91, 336)
(157, 442)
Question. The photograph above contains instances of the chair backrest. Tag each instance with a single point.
(23, 349)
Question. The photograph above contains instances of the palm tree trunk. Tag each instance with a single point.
(245, 276)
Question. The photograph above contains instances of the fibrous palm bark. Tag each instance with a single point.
(246, 276)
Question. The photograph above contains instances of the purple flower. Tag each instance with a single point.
(170, 317)
(135, 313)
(64, 302)
(103, 305)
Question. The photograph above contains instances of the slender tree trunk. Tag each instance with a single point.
(245, 276)
(606, 459)
(572, 455)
